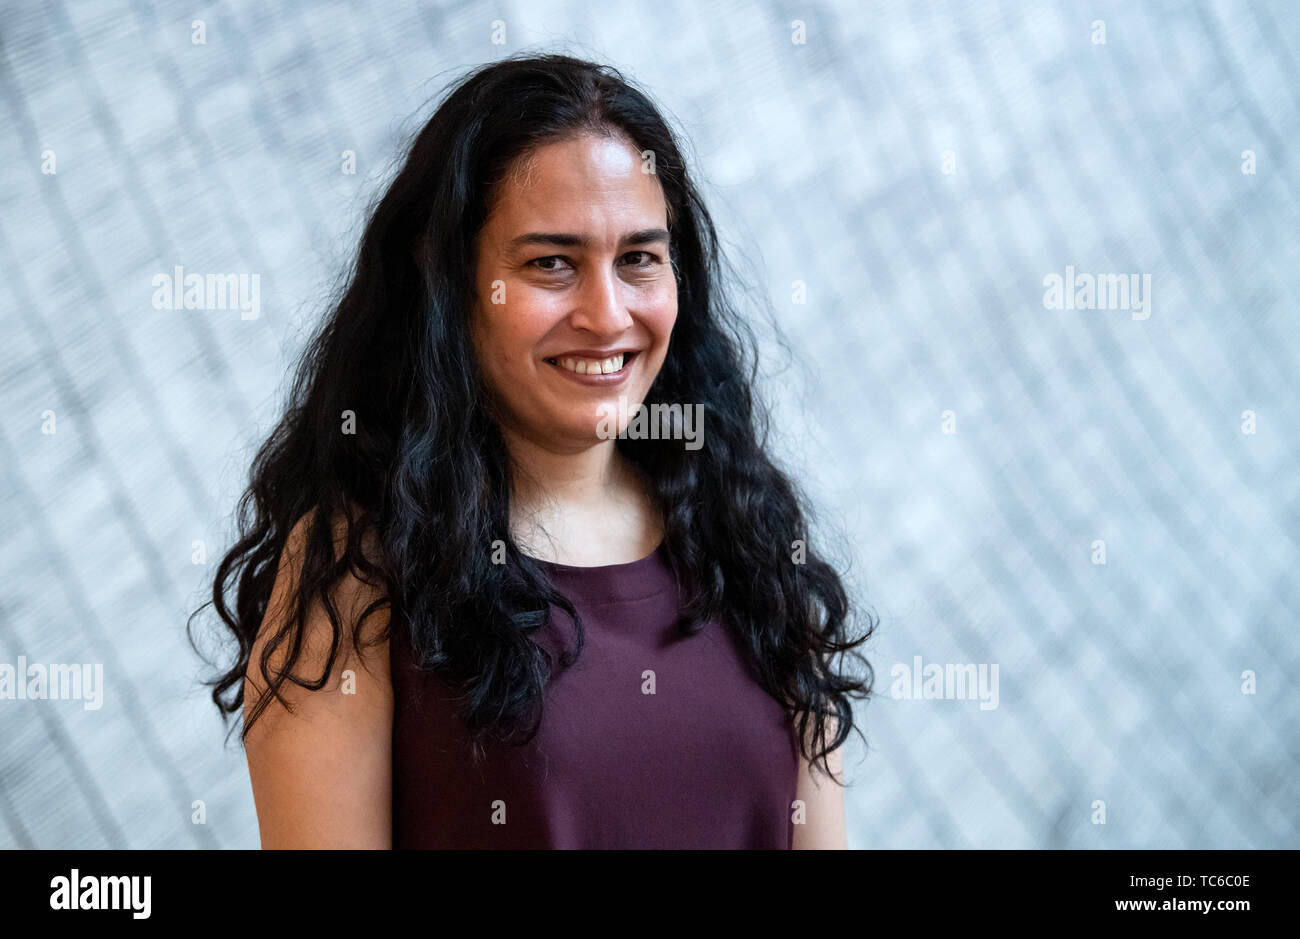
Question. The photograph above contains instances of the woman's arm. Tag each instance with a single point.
(322, 775)
(823, 801)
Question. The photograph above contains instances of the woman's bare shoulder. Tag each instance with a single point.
(321, 767)
(358, 601)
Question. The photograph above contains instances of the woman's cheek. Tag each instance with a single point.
(534, 313)
(660, 301)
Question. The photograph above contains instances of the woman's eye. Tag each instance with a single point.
(550, 264)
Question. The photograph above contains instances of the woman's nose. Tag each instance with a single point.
(600, 307)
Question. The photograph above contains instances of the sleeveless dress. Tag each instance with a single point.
(708, 760)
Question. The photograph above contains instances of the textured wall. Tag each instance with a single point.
(921, 169)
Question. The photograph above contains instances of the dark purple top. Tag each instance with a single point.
(706, 761)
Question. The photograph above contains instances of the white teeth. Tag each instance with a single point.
(592, 366)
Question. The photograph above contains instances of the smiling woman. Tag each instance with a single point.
(574, 260)
(474, 617)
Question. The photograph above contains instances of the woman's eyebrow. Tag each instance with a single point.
(641, 237)
(646, 236)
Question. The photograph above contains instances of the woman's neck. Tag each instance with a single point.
(585, 507)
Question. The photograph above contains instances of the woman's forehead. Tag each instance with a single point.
(586, 181)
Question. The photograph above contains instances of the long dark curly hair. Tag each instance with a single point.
(425, 481)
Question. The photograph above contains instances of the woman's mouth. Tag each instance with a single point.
(583, 366)
(588, 371)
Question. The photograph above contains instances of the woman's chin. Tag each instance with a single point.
(589, 426)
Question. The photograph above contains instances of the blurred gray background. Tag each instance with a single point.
(920, 169)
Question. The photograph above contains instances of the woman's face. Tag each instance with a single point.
(574, 273)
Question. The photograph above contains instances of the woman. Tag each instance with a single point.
(482, 600)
